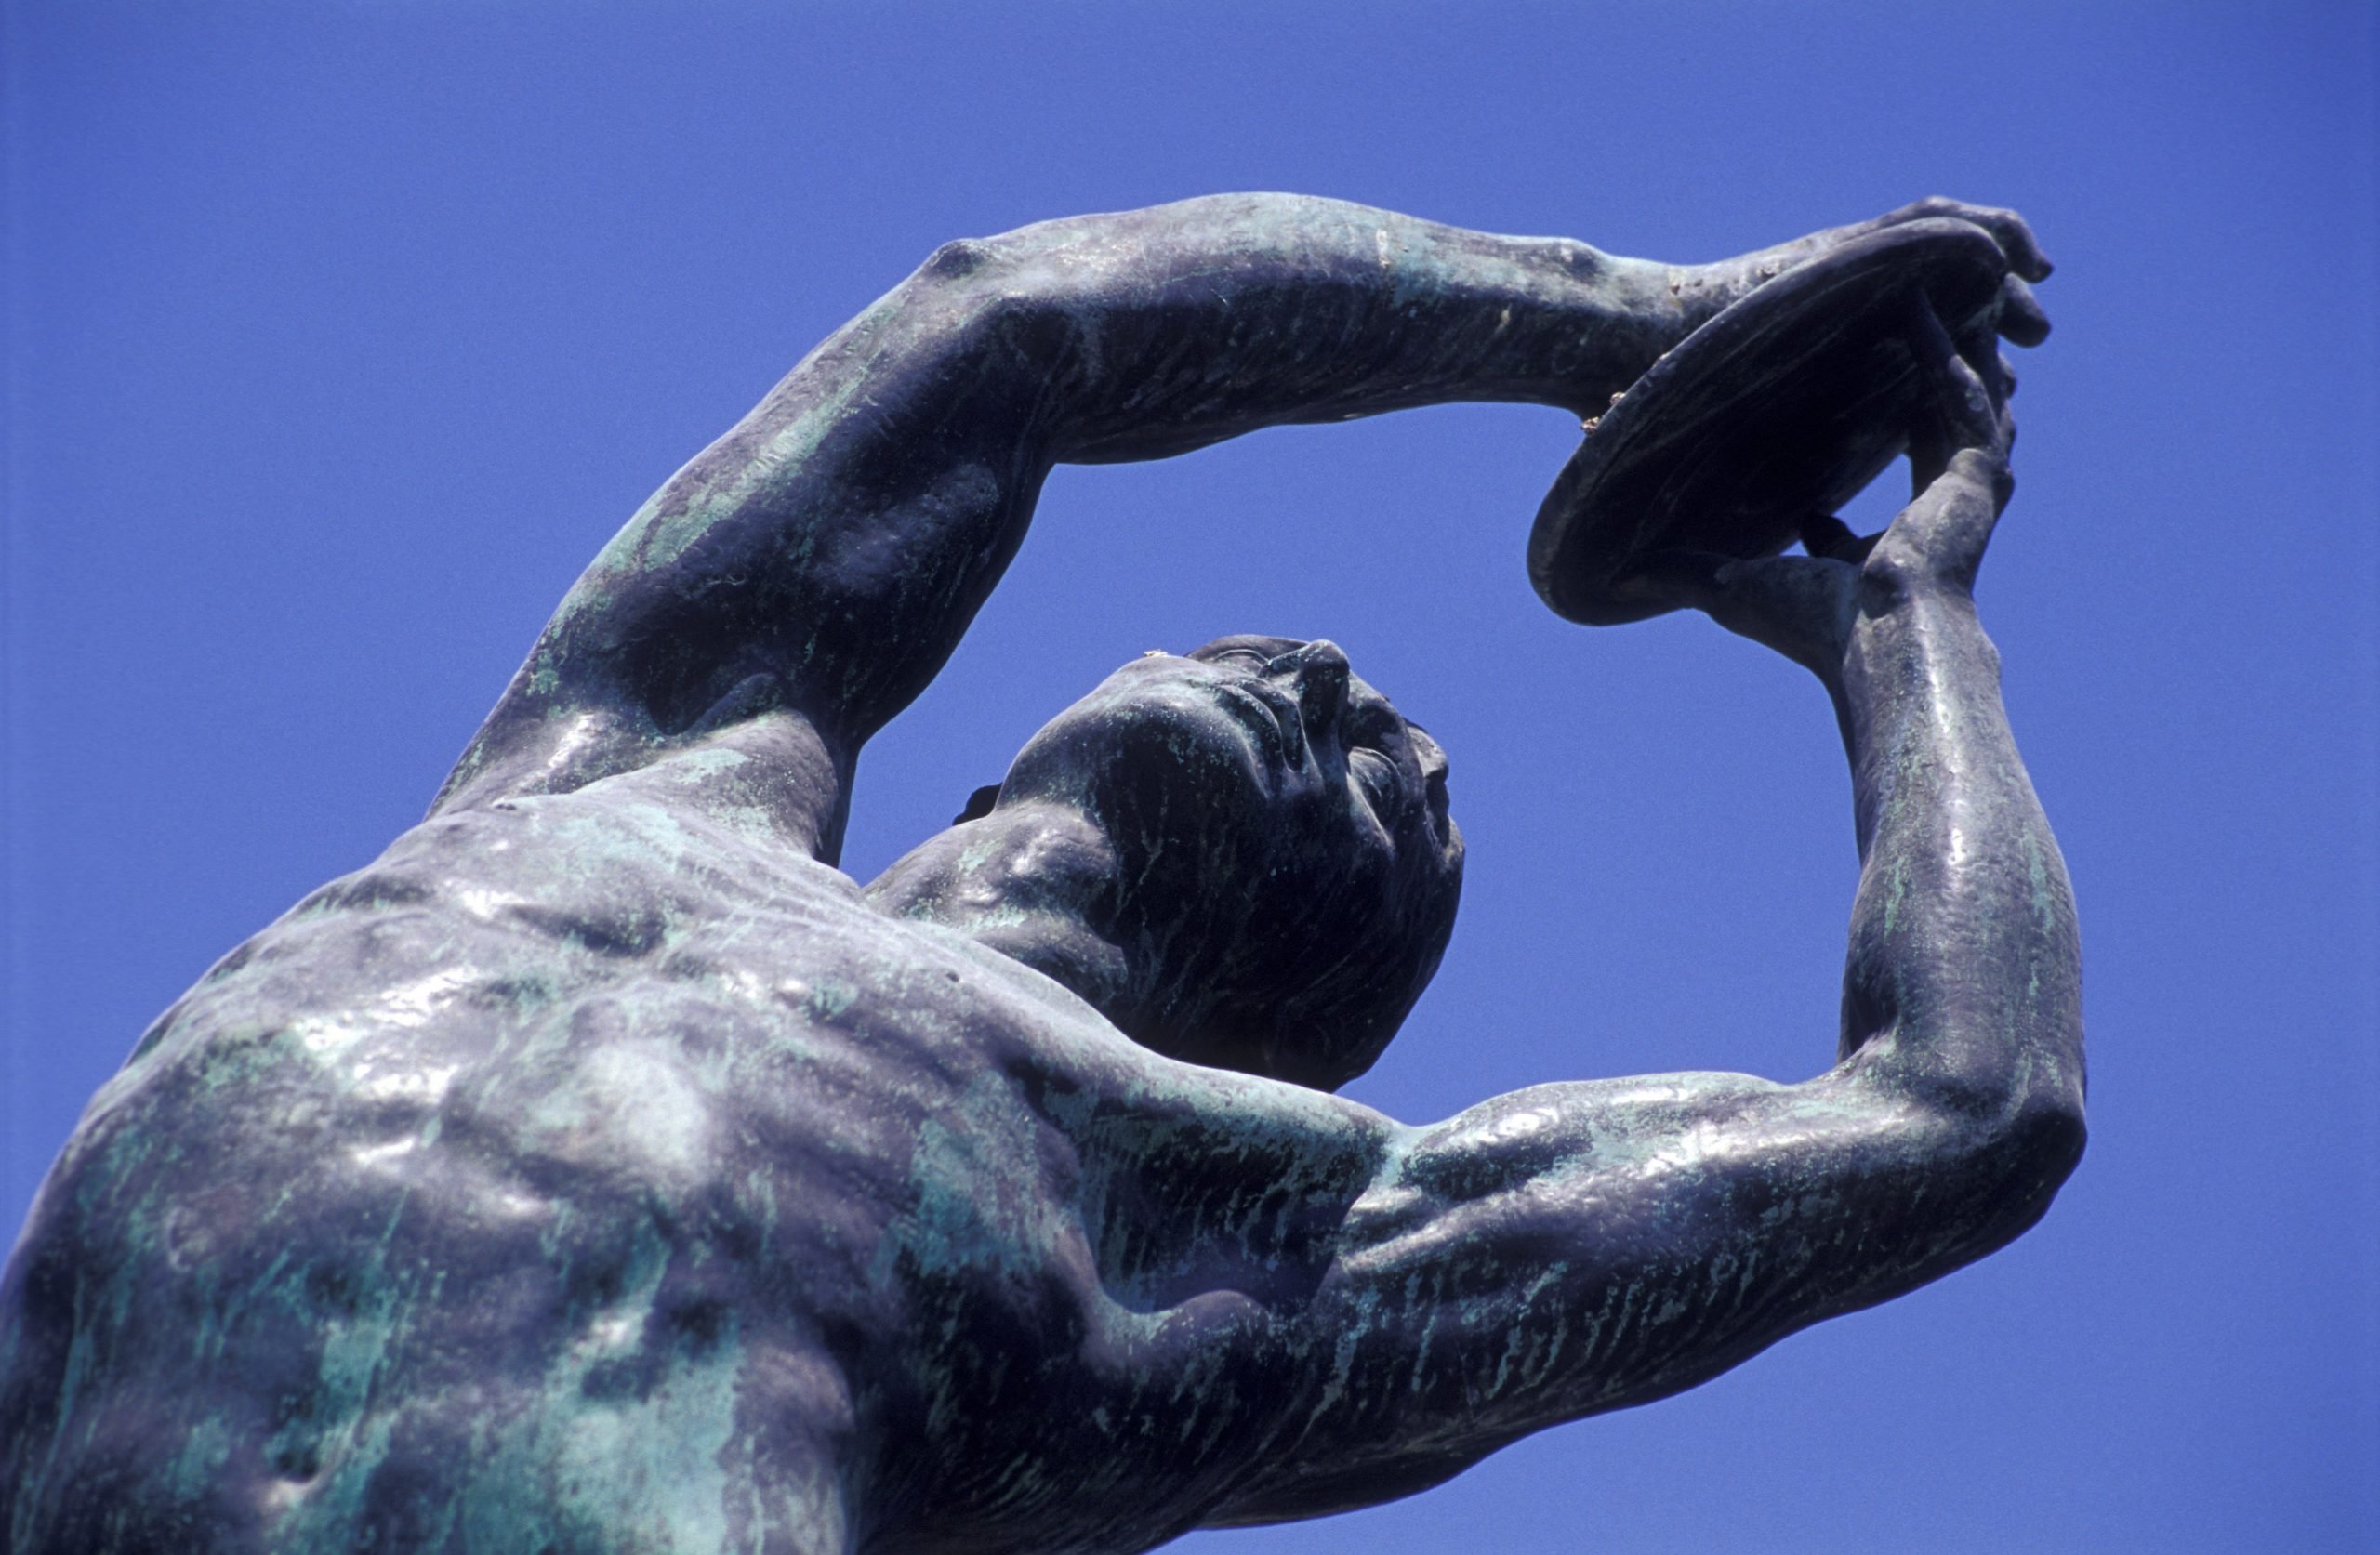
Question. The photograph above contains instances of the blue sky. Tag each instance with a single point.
(340, 336)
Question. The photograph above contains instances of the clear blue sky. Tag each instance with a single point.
(340, 335)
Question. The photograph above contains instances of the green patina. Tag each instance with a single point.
(830, 996)
(584, 1461)
(200, 1463)
(630, 1031)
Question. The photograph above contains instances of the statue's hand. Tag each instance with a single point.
(1806, 606)
(2019, 318)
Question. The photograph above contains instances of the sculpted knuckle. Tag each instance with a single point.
(1980, 475)
(1893, 571)
(961, 256)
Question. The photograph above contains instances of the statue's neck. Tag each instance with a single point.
(1033, 881)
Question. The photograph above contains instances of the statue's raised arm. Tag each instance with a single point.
(804, 578)
(599, 1170)
(1573, 1248)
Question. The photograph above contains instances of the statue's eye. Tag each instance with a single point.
(1375, 774)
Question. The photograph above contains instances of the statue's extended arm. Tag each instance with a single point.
(804, 578)
(1573, 1248)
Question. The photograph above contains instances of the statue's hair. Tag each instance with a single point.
(1309, 990)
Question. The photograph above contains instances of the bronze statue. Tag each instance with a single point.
(601, 1170)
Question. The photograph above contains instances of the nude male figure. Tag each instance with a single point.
(601, 1170)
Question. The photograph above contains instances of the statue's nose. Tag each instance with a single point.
(1319, 672)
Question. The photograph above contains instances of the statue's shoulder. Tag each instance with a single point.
(504, 1142)
(515, 1157)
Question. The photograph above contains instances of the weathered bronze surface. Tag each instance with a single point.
(1781, 409)
(600, 1169)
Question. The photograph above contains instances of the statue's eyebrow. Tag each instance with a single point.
(1247, 643)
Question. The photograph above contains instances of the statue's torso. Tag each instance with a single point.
(580, 1168)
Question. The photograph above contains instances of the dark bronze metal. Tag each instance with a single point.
(1784, 407)
(600, 1169)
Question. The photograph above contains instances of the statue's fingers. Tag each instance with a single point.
(1796, 605)
(1944, 530)
(1962, 404)
(2011, 232)
(1821, 532)
(2024, 251)
(2014, 236)
(1687, 578)
(1793, 604)
(1825, 536)
(2021, 319)
(1930, 447)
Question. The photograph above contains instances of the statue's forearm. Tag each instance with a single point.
(1964, 981)
(1682, 1222)
(1139, 333)
(1167, 328)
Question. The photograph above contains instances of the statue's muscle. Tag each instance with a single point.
(599, 1170)
(526, 1140)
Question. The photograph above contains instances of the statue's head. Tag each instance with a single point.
(1284, 871)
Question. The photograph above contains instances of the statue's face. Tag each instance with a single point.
(1291, 870)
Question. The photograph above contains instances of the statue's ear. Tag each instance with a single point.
(979, 804)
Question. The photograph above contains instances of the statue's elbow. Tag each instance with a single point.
(992, 302)
(958, 259)
(2004, 1151)
(2052, 1136)
(2029, 1158)
(965, 290)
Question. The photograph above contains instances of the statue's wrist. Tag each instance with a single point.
(1893, 587)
